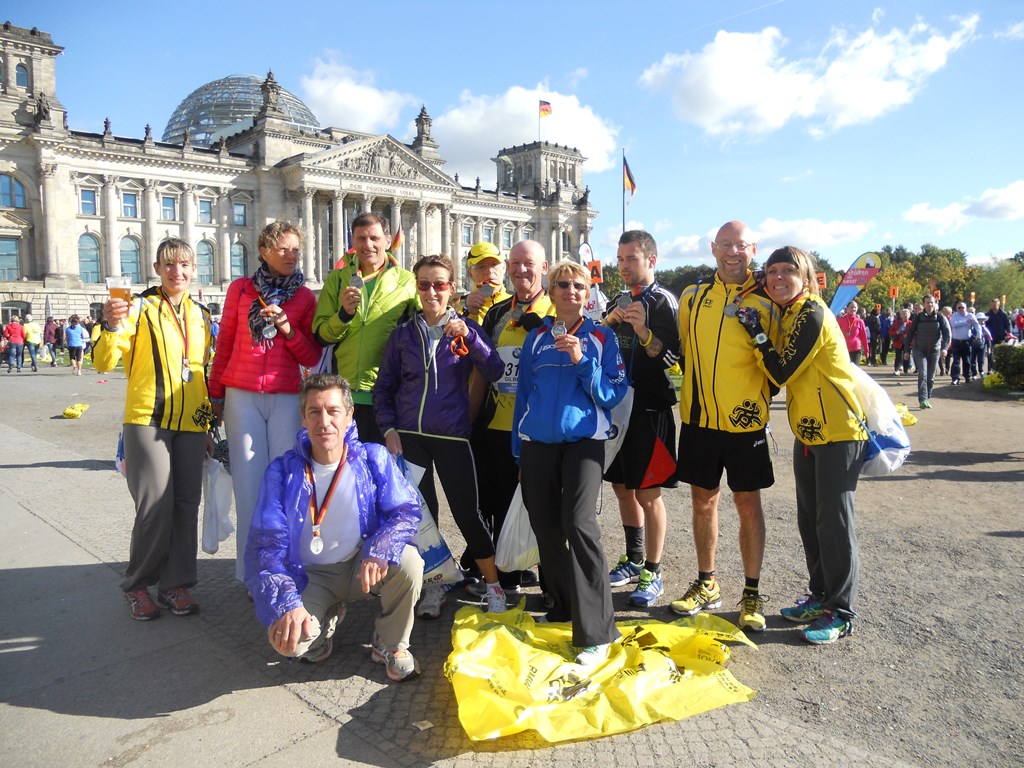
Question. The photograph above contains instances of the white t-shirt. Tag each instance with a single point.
(339, 529)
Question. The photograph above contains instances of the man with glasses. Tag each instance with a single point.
(358, 308)
(724, 411)
(644, 317)
(963, 327)
(507, 323)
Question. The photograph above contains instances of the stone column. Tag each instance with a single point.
(339, 228)
(446, 234)
(111, 250)
(367, 203)
(457, 261)
(396, 223)
(51, 253)
(422, 247)
(152, 213)
(188, 214)
(309, 252)
(224, 217)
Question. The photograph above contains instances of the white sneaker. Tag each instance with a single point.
(592, 654)
(432, 602)
(495, 600)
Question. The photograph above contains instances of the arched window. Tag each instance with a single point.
(204, 263)
(238, 261)
(12, 192)
(130, 261)
(89, 259)
(21, 76)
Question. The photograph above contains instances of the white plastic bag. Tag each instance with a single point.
(438, 564)
(216, 505)
(620, 423)
(889, 443)
(517, 543)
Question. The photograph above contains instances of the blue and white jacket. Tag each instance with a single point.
(558, 402)
(389, 516)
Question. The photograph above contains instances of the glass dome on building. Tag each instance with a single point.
(222, 103)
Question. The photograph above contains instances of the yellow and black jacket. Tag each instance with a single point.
(723, 387)
(815, 368)
(152, 346)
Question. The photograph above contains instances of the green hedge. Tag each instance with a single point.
(1009, 363)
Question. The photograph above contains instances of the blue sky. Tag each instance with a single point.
(836, 127)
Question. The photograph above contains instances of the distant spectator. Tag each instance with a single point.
(998, 323)
(50, 335)
(854, 332)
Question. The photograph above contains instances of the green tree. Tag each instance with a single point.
(1002, 278)
(677, 279)
(612, 280)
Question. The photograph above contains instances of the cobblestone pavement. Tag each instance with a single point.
(81, 684)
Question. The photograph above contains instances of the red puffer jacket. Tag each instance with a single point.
(243, 364)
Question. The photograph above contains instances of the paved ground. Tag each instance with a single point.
(930, 677)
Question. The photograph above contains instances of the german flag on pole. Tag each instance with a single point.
(628, 183)
(545, 108)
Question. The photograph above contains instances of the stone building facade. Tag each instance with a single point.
(77, 206)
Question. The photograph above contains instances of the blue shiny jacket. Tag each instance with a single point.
(558, 402)
(389, 516)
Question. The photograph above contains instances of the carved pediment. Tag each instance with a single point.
(379, 157)
(13, 225)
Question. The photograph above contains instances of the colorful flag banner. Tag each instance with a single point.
(396, 241)
(628, 182)
(545, 108)
(860, 273)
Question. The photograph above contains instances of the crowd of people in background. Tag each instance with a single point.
(510, 385)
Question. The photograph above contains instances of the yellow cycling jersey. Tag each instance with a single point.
(166, 380)
(508, 337)
(723, 388)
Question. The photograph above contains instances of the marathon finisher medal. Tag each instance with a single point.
(356, 281)
(558, 330)
(487, 290)
(623, 302)
(186, 371)
(517, 314)
(269, 330)
(435, 332)
(316, 544)
(731, 310)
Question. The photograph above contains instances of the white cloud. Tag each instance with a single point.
(1006, 204)
(577, 76)
(470, 132)
(345, 97)
(1012, 32)
(741, 84)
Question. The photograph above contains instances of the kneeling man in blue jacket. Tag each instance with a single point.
(334, 524)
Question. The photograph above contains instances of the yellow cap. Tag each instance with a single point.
(481, 251)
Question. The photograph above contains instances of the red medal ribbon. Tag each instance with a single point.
(317, 514)
(182, 330)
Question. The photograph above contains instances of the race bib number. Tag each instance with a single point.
(506, 385)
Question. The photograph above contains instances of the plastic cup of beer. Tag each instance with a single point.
(120, 287)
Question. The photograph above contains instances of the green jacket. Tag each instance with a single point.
(361, 338)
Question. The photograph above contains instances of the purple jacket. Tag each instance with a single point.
(415, 393)
(389, 516)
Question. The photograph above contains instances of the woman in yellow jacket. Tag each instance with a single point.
(164, 338)
(827, 419)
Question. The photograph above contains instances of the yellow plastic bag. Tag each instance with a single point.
(75, 411)
(511, 674)
(906, 416)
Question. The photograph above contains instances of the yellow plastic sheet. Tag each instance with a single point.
(75, 411)
(906, 416)
(511, 674)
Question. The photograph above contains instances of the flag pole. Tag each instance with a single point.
(623, 190)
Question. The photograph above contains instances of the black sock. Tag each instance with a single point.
(634, 543)
(706, 576)
(751, 585)
(653, 567)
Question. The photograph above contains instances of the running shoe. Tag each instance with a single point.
(398, 661)
(701, 596)
(495, 600)
(178, 600)
(807, 608)
(432, 602)
(648, 589)
(625, 572)
(751, 607)
(828, 628)
(141, 605)
(592, 654)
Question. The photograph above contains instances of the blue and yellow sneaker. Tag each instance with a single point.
(625, 572)
(828, 628)
(648, 589)
(807, 608)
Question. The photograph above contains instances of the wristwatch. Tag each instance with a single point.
(760, 339)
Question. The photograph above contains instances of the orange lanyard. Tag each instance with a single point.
(515, 320)
(317, 514)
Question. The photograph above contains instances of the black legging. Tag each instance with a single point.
(453, 459)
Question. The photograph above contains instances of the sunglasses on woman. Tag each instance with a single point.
(437, 285)
(565, 284)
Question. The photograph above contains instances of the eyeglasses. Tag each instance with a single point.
(961, 306)
(733, 246)
(437, 285)
(565, 284)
